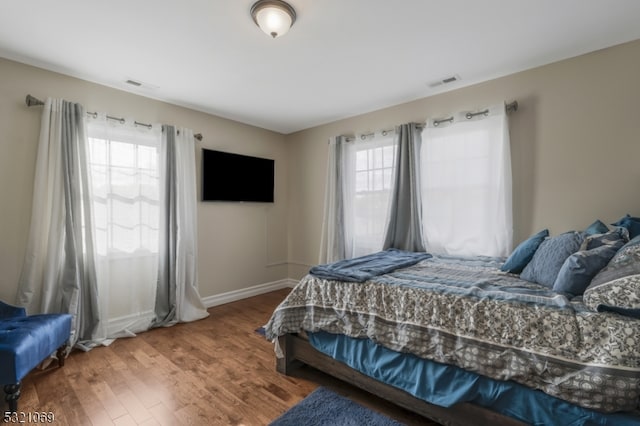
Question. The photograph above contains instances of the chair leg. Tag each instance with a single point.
(11, 395)
(61, 355)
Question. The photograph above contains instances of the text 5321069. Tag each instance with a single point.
(29, 417)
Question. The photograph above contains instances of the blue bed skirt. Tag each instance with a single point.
(447, 385)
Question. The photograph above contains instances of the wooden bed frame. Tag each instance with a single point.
(298, 351)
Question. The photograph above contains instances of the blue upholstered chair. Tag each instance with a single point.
(26, 341)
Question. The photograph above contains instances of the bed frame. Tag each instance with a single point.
(298, 351)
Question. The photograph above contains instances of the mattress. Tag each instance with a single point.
(466, 313)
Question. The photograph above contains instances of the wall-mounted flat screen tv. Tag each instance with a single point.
(235, 177)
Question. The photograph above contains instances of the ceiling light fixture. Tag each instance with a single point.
(274, 17)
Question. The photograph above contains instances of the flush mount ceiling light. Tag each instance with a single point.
(274, 17)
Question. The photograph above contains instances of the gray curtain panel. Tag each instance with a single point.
(78, 275)
(404, 230)
(59, 272)
(334, 245)
(166, 307)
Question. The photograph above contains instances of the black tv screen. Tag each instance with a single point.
(235, 177)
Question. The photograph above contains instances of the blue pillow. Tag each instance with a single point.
(580, 268)
(596, 227)
(523, 254)
(632, 224)
(549, 258)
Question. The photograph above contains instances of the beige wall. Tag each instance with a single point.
(240, 245)
(575, 146)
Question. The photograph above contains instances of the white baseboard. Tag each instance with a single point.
(115, 325)
(232, 296)
(291, 283)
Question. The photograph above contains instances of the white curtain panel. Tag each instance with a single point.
(58, 273)
(466, 174)
(189, 302)
(125, 170)
(370, 172)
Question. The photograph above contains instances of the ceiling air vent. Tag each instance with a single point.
(447, 80)
(140, 84)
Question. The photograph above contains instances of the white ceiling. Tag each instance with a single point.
(341, 58)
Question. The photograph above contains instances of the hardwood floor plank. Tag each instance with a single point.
(150, 422)
(125, 420)
(216, 371)
(164, 415)
(29, 396)
(148, 396)
(108, 399)
(89, 401)
(134, 407)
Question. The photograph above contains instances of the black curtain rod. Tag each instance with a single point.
(33, 101)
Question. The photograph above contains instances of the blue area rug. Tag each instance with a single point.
(323, 407)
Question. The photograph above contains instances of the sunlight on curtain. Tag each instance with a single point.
(124, 169)
(372, 166)
(357, 196)
(466, 174)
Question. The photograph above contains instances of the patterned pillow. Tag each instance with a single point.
(550, 256)
(579, 268)
(617, 287)
(523, 254)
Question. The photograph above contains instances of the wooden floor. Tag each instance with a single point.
(217, 371)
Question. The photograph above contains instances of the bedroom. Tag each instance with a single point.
(576, 117)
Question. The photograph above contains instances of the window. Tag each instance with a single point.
(466, 187)
(374, 166)
(125, 182)
(464, 172)
(124, 169)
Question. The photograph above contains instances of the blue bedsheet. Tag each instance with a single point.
(360, 269)
(447, 385)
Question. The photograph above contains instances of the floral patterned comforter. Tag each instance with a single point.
(467, 313)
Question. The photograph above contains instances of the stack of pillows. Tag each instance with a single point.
(601, 265)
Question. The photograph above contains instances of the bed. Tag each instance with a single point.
(460, 341)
